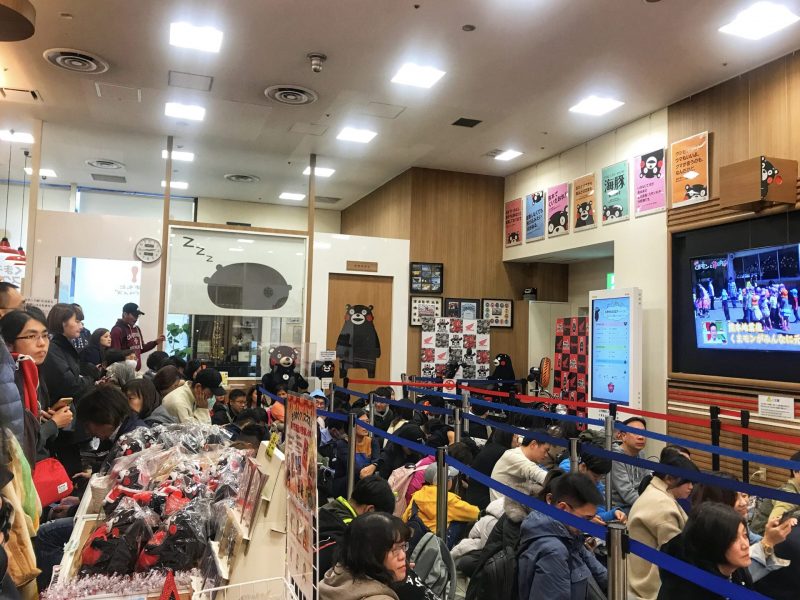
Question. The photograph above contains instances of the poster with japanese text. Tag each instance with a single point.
(614, 184)
(688, 170)
(558, 210)
(301, 505)
(583, 192)
(458, 344)
(513, 222)
(649, 183)
(534, 216)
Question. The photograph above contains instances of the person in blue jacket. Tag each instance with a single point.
(553, 562)
(596, 468)
(11, 409)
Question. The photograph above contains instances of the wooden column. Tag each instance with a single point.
(162, 298)
(312, 196)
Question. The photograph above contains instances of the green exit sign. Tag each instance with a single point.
(609, 281)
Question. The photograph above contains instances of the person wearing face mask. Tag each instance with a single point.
(106, 414)
(195, 398)
(121, 368)
(655, 518)
(715, 540)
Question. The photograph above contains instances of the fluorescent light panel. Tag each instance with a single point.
(351, 134)
(596, 106)
(508, 155)
(191, 112)
(291, 196)
(176, 185)
(246, 241)
(319, 171)
(42, 172)
(235, 249)
(760, 20)
(178, 155)
(186, 35)
(417, 75)
(16, 136)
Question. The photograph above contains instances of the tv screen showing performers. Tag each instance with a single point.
(611, 349)
(748, 300)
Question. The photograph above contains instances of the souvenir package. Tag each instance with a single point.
(180, 541)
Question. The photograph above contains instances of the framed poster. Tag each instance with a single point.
(649, 183)
(513, 220)
(558, 210)
(583, 188)
(499, 313)
(460, 344)
(534, 216)
(423, 306)
(462, 308)
(426, 278)
(688, 170)
(615, 188)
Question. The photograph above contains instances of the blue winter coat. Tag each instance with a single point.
(553, 563)
(11, 409)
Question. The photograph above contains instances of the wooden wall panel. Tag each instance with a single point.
(384, 212)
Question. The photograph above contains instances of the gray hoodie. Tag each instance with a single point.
(625, 480)
(339, 584)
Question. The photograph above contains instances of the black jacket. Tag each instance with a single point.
(477, 493)
(333, 520)
(674, 587)
(61, 371)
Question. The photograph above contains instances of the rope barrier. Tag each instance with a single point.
(484, 391)
(415, 446)
(764, 435)
(436, 410)
(674, 418)
(331, 415)
(336, 388)
(538, 413)
(539, 437)
(434, 393)
(270, 395)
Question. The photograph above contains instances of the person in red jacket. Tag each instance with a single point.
(127, 335)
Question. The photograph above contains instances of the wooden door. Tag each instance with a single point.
(360, 335)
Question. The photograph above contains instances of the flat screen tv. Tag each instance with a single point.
(735, 292)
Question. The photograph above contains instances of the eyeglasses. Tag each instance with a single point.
(35, 337)
(401, 548)
(584, 517)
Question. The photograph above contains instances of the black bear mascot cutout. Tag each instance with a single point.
(358, 346)
(282, 363)
(503, 371)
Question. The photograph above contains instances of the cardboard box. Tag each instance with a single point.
(758, 182)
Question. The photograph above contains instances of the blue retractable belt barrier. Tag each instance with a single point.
(525, 433)
(437, 410)
(430, 392)
(336, 388)
(271, 395)
(415, 446)
(422, 380)
(737, 454)
(331, 415)
(485, 381)
(537, 413)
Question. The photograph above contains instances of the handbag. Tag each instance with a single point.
(51, 481)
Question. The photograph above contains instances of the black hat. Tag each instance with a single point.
(131, 308)
(211, 379)
(375, 491)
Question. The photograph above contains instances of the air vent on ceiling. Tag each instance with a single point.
(493, 153)
(293, 95)
(465, 122)
(78, 61)
(105, 163)
(242, 178)
(326, 200)
(109, 178)
(22, 96)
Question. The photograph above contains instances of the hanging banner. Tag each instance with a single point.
(461, 344)
(534, 216)
(583, 191)
(615, 192)
(688, 170)
(513, 222)
(558, 210)
(301, 503)
(649, 183)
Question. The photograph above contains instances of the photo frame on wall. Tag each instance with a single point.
(498, 312)
(426, 278)
(462, 308)
(421, 307)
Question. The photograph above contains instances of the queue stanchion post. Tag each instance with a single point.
(609, 445)
(457, 423)
(351, 453)
(412, 393)
(716, 428)
(745, 423)
(441, 494)
(404, 387)
(573, 455)
(617, 544)
(465, 409)
(371, 408)
(330, 397)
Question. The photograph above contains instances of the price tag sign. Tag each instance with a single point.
(327, 355)
(273, 443)
(776, 407)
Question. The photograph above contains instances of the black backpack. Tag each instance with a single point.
(497, 578)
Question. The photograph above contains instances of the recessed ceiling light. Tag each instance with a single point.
(176, 185)
(16, 136)
(235, 249)
(508, 155)
(42, 172)
(596, 106)
(320, 171)
(185, 111)
(186, 35)
(178, 155)
(760, 20)
(351, 134)
(246, 241)
(418, 76)
(291, 196)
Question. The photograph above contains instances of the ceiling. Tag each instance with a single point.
(519, 71)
